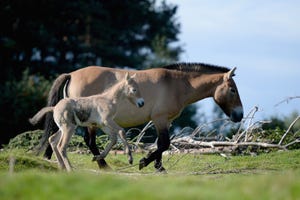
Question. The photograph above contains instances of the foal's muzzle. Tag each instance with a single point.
(237, 114)
(140, 102)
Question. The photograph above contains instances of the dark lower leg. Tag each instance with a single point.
(163, 144)
(90, 140)
(48, 152)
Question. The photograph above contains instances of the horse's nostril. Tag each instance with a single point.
(140, 103)
(237, 115)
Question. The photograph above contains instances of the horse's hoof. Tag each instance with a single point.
(105, 167)
(130, 161)
(161, 170)
(94, 158)
(142, 163)
(97, 157)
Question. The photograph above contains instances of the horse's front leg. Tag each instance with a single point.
(127, 150)
(90, 140)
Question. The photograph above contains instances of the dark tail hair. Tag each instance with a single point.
(55, 95)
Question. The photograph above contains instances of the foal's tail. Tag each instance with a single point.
(55, 94)
(39, 115)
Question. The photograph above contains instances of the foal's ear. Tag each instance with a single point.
(127, 77)
(133, 76)
(229, 74)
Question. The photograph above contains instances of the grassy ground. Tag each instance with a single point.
(267, 176)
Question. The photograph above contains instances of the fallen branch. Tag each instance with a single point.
(189, 142)
(288, 130)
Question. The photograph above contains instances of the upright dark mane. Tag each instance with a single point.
(196, 67)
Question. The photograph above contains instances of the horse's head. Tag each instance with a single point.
(132, 91)
(227, 97)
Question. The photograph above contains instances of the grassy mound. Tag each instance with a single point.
(190, 176)
(21, 161)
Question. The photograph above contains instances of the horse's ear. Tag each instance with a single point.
(229, 74)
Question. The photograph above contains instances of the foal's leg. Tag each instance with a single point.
(111, 129)
(163, 144)
(90, 140)
(67, 132)
(54, 141)
(113, 140)
(126, 145)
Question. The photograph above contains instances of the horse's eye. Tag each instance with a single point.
(232, 90)
(133, 90)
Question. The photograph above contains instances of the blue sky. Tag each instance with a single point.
(260, 38)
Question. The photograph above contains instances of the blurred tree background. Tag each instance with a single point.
(41, 39)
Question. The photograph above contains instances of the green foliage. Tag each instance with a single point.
(65, 35)
(283, 122)
(274, 131)
(271, 135)
(19, 101)
(62, 36)
(274, 136)
(27, 140)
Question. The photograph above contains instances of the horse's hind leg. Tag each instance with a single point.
(67, 132)
(126, 145)
(163, 144)
(48, 152)
(90, 140)
(54, 141)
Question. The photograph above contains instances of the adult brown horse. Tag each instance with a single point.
(166, 91)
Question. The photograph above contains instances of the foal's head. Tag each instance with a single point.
(132, 91)
(227, 97)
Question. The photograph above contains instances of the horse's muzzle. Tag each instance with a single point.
(237, 114)
(140, 102)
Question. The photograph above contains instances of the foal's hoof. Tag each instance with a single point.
(142, 163)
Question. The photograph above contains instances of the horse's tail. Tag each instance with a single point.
(55, 95)
(39, 115)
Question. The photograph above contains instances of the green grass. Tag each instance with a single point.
(267, 176)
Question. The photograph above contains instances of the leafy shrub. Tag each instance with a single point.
(30, 139)
(27, 140)
(274, 136)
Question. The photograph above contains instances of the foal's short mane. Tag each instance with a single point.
(196, 67)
